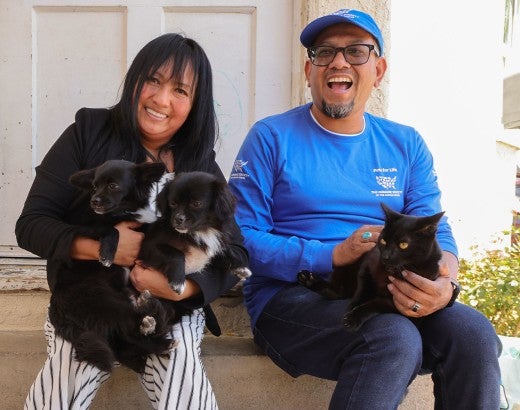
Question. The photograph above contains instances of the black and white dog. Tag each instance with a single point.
(93, 305)
(194, 230)
(119, 190)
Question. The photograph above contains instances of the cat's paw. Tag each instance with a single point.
(242, 272)
(148, 325)
(306, 278)
(352, 320)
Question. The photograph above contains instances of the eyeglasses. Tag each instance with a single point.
(355, 54)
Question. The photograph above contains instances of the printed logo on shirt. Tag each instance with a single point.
(386, 182)
(386, 178)
(238, 170)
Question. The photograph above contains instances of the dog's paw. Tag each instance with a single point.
(144, 298)
(306, 278)
(178, 286)
(147, 325)
(173, 345)
(107, 263)
(242, 272)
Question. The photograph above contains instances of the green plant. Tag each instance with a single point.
(490, 283)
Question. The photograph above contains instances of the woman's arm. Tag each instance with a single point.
(48, 222)
(156, 282)
(128, 245)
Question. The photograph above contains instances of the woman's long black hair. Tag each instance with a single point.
(194, 142)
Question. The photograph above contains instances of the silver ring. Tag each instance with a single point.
(416, 306)
(366, 236)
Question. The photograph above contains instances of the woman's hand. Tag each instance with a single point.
(428, 295)
(128, 246)
(146, 278)
(129, 243)
(361, 241)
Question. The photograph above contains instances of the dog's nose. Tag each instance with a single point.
(96, 201)
(180, 219)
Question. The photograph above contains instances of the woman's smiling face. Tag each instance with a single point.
(164, 104)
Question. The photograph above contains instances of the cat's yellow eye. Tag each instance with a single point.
(382, 241)
(403, 245)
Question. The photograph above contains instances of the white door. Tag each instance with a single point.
(58, 56)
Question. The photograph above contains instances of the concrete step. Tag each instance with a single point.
(242, 377)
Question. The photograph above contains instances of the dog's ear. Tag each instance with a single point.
(162, 200)
(224, 200)
(148, 172)
(83, 179)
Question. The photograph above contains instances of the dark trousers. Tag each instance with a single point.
(302, 333)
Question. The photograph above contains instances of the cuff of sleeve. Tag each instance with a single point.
(323, 259)
(62, 247)
(211, 287)
(450, 248)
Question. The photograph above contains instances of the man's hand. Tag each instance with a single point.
(429, 296)
(361, 241)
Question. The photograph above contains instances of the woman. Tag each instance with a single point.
(165, 114)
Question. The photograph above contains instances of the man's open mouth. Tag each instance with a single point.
(339, 83)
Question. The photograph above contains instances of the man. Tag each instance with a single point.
(309, 178)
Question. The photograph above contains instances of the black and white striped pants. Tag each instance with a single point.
(177, 382)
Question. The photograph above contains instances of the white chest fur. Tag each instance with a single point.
(197, 258)
(150, 213)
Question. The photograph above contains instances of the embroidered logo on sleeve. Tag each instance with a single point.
(238, 170)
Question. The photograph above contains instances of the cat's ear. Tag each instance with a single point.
(390, 214)
(428, 224)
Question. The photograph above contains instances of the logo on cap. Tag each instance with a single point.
(345, 13)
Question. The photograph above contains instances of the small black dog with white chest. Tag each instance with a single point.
(93, 304)
(194, 231)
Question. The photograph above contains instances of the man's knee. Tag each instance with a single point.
(395, 336)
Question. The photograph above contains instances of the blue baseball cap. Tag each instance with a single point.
(356, 17)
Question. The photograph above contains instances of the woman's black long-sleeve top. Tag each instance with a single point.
(49, 220)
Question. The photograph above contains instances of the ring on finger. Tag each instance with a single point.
(366, 236)
(416, 306)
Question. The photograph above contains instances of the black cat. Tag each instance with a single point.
(406, 243)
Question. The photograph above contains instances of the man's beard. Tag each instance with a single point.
(336, 111)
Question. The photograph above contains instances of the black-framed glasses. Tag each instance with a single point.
(355, 54)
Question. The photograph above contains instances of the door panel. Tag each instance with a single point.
(58, 56)
(79, 59)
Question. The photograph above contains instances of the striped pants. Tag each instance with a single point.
(177, 382)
